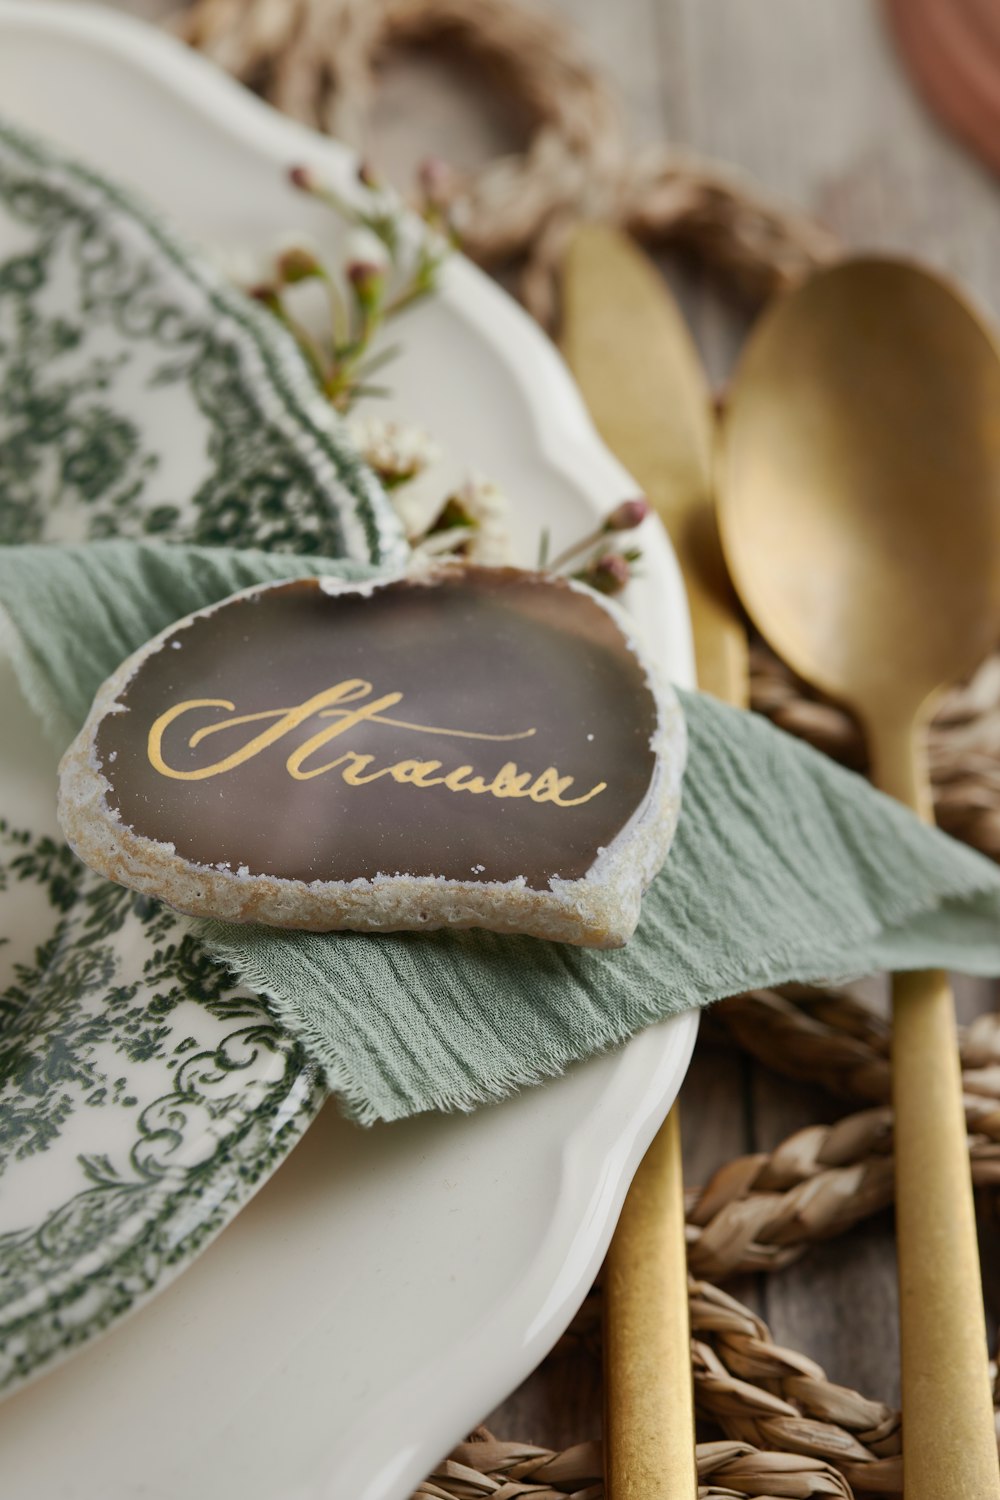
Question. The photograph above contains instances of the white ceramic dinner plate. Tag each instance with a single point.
(387, 1287)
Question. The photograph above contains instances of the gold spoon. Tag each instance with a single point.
(639, 371)
(859, 505)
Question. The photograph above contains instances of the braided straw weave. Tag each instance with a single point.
(787, 1431)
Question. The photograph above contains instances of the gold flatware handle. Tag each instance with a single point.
(949, 1445)
(649, 1428)
(642, 379)
(949, 1430)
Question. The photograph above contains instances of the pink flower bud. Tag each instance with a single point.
(434, 178)
(302, 178)
(297, 264)
(608, 574)
(367, 279)
(628, 515)
(366, 175)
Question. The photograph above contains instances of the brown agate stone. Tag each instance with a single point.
(470, 747)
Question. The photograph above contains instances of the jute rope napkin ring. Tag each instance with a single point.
(789, 1431)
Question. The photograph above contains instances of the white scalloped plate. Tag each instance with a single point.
(387, 1287)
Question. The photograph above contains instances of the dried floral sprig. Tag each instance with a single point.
(474, 523)
(385, 273)
(626, 516)
(472, 520)
(399, 452)
(608, 569)
(378, 279)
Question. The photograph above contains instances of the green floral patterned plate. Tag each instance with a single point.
(142, 1097)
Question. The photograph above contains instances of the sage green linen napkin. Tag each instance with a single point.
(784, 867)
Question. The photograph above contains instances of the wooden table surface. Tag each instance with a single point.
(811, 100)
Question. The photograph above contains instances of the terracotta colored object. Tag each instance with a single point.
(952, 48)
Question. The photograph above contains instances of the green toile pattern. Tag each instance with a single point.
(106, 327)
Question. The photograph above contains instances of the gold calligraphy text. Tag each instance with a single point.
(347, 705)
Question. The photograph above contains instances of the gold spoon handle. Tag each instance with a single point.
(949, 1432)
(649, 1431)
(949, 1437)
(649, 1451)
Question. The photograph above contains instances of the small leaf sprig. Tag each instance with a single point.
(385, 272)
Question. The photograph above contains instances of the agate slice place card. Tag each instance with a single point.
(468, 747)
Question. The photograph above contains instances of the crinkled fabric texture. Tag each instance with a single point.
(785, 867)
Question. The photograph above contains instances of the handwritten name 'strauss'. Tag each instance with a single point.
(354, 766)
